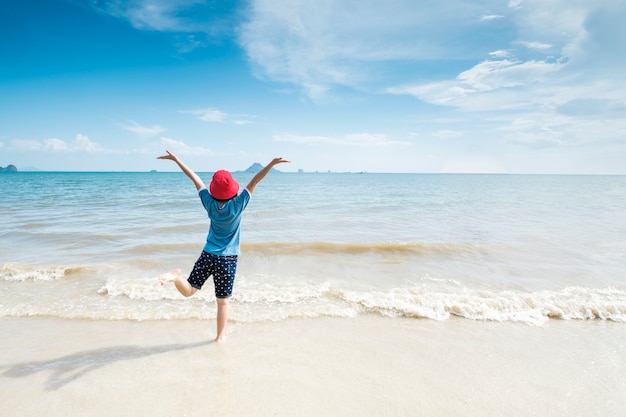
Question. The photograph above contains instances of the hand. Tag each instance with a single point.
(169, 156)
(277, 161)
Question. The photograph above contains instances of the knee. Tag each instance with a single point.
(222, 302)
(188, 292)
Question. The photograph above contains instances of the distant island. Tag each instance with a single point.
(252, 169)
(256, 167)
(9, 168)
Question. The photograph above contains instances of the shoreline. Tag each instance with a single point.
(362, 366)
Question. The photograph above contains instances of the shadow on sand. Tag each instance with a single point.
(71, 367)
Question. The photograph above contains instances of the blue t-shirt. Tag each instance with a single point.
(223, 237)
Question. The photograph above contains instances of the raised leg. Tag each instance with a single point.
(182, 285)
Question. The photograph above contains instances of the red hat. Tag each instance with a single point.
(223, 185)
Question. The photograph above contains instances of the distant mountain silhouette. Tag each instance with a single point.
(256, 167)
(9, 168)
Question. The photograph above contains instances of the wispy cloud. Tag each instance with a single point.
(317, 48)
(535, 45)
(181, 148)
(529, 87)
(208, 115)
(218, 116)
(500, 54)
(160, 15)
(81, 143)
(144, 131)
(525, 65)
(194, 23)
(546, 56)
(492, 75)
(356, 139)
(488, 17)
(199, 17)
(189, 42)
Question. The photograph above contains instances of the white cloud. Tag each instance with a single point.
(54, 144)
(26, 145)
(540, 63)
(568, 100)
(218, 116)
(535, 45)
(500, 54)
(492, 85)
(355, 139)
(181, 148)
(550, 73)
(489, 17)
(491, 75)
(195, 22)
(318, 47)
(208, 115)
(144, 131)
(82, 143)
(549, 129)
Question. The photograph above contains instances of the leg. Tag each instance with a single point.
(224, 279)
(182, 285)
(222, 317)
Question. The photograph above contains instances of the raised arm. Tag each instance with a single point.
(197, 181)
(262, 173)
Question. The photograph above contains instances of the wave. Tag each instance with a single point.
(572, 303)
(145, 299)
(315, 248)
(13, 272)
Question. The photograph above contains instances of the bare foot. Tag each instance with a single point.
(169, 276)
(220, 338)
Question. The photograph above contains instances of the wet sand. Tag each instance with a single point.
(363, 366)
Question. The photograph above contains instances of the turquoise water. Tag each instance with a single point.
(487, 247)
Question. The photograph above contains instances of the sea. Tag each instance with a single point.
(506, 248)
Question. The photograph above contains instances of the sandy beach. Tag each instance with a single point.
(365, 366)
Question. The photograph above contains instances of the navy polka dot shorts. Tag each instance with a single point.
(222, 268)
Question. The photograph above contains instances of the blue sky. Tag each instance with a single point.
(519, 86)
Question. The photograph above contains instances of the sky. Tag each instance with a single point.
(447, 86)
